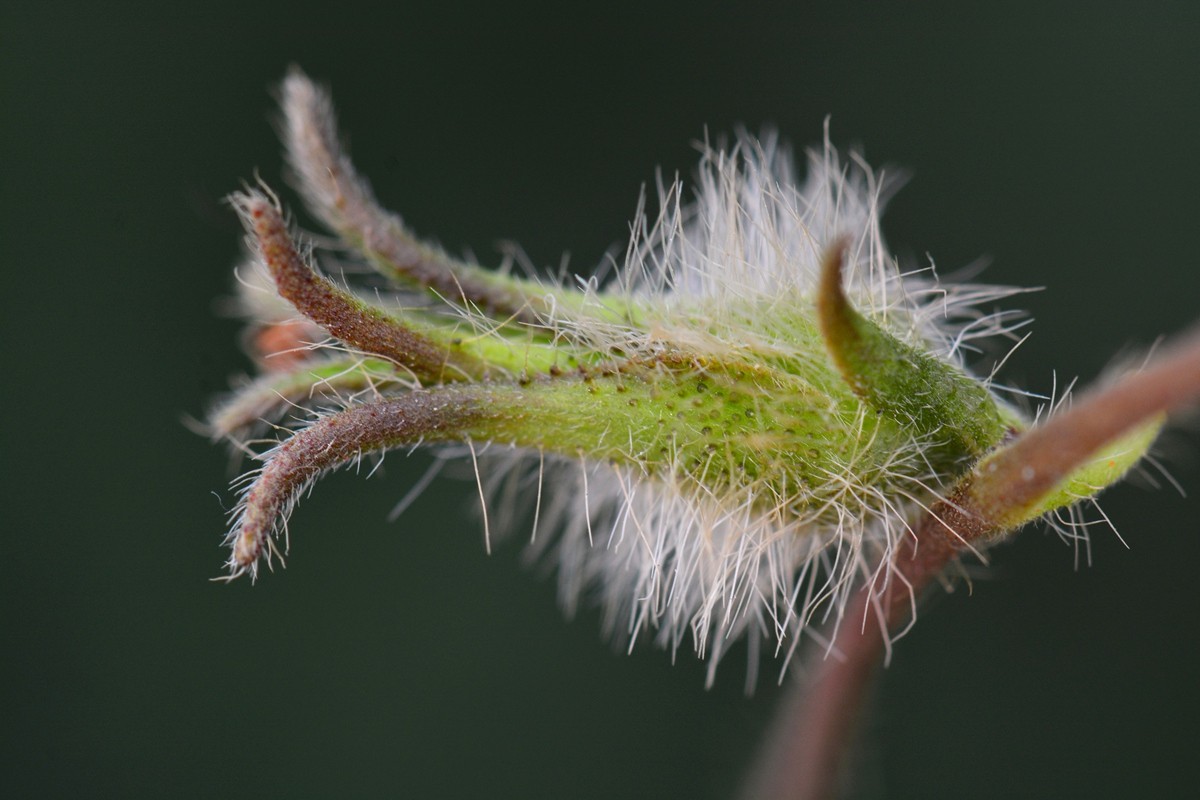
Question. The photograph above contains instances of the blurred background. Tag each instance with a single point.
(1054, 140)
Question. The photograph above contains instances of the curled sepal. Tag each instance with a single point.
(342, 200)
(357, 323)
(912, 387)
(333, 441)
(302, 388)
(745, 435)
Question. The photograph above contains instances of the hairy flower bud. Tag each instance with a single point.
(727, 440)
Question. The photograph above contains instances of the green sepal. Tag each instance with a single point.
(915, 389)
(1099, 472)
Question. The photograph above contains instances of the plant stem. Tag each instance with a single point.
(805, 757)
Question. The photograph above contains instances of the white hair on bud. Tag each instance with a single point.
(667, 562)
(722, 269)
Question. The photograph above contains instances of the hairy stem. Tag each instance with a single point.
(806, 751)
(1015, 477)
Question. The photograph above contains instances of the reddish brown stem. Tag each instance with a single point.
(806, 754)
(805, 757)
(1039, 460)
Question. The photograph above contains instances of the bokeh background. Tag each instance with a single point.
(1055, 140)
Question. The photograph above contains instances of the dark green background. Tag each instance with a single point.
(1058, 140)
